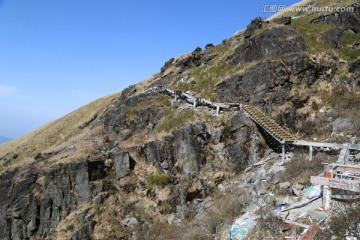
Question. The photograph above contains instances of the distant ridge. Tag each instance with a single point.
(4, 139)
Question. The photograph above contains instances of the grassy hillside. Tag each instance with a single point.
(57, 131)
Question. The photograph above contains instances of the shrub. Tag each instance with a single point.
(344, 222)
(157, 179)
(300, 169)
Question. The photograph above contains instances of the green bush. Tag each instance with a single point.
(157, 179)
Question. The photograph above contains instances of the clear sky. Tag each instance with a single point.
(58, 55)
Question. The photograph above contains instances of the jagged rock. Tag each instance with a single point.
(262, 188)
(34, 203)
(276, 174)
(167, 64)
(297, 189)
(272, 42)
(172, 219)
(339, 124)
(130, 222)
(349, 19)
(209, 46)
(216, 136)
(182, 211)
(334, 37)
(282, 20)
(355, 67)
(284, 185)
(256, 23)
(122, 164)
(84, 231)
(187, 147)
(197, 49)
(306, 70)
(118, 122)
(221, 188)
(356, 46)
(193, 60)
(257, 82)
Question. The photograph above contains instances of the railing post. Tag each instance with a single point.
(310, 153)
(217, 110)
(283, 153)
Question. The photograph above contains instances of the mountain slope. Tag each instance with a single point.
(140, 165)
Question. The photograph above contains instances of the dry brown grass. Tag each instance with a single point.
(57, 131)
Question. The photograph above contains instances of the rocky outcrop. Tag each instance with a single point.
(305, 70)
(350, 20)
(35, 202)
(355, 67)
(128, 118)
(167, 64)
(334, 37)
(184, 151)
(272, 42)
(256, 84)
(243, 144)
(256, 23)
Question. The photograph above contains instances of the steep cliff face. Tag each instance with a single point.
(35, 201)
(144, 162)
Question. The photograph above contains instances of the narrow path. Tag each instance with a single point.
(282, 135)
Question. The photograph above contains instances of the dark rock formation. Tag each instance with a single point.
(256, 23)
(186, 148)
(355, 67)
(122, 164)
(209, 46)
(119, 121)
(282, 20)
(35, 202)
(350, 20)
(167, 65)
(241, 145)
(194, 60)
(306, 70)
(273, 42)
(256, 84)
(356, 46)
(334, 37)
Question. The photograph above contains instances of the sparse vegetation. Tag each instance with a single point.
(300, 169)
(174, 119)
(158, 101)
(157, 179)
(345, 104)
(344, 221)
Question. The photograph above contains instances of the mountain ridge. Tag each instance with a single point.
(149, 166)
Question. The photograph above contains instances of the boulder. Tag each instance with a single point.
(284, 185)
(209, 46)
(356, 46)
(355, 67)
(276, 174)
(122, 163)
(339, 124)
(130, 222)
(297, 189)
(167, 64)
(256, 23)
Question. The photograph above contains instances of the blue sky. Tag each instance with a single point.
(58, 55)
